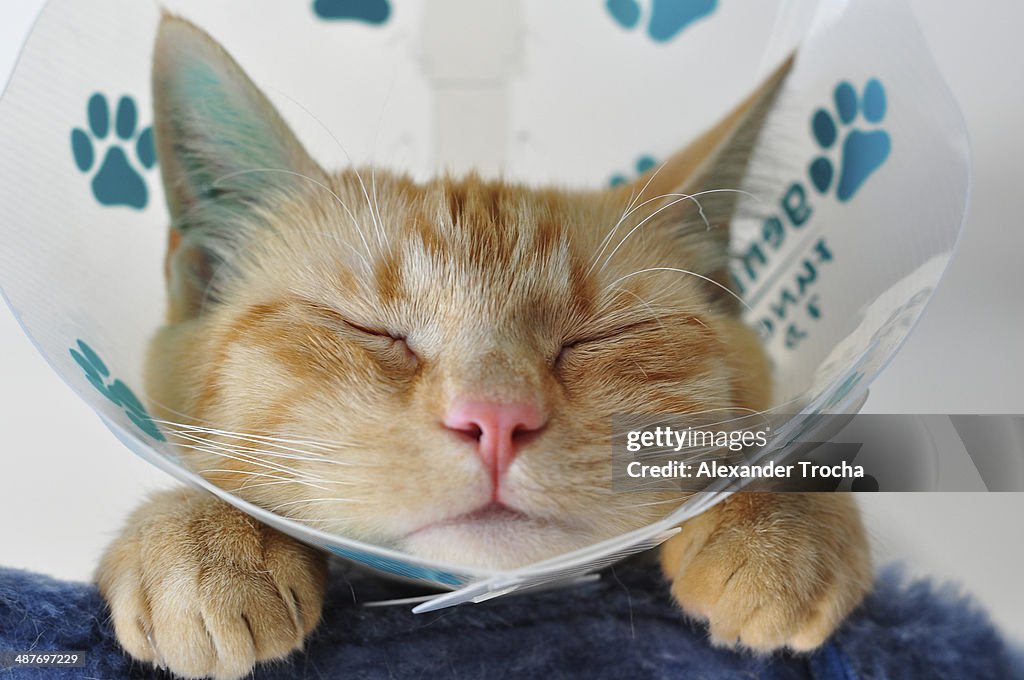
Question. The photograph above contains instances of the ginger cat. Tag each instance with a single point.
(446, 358)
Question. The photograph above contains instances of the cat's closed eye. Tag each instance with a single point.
(609, 336)
(389, 346)
(611, 333)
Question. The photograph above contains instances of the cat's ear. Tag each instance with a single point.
(710, 169)
(225, 154)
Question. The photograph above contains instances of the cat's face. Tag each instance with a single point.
(433, 367)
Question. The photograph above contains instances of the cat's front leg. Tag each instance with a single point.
(771, 570)
(200, 588)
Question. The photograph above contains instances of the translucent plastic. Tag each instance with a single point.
(862, 180)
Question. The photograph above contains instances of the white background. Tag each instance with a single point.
(66, 484)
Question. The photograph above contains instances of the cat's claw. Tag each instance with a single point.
(767, 571)
(203, 590)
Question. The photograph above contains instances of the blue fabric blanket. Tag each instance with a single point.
(622, 626)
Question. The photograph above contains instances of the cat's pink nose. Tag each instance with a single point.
(499, 429)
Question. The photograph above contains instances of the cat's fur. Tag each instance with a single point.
(344, 313)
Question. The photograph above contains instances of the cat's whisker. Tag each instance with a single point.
(375, 207)
(382, 238)
(202, 439)
(607, 239)
(248, 460)
(248, 472)
(654, 199)
(278, 449)
(327, 444)
(754, 197)
(309, 501)
(355, 222)
(259, 455)
(246, 485)
(249, 475)
(208, 433)
(280, 441)
(323, 485)
(647, 219)
(630, 207)
(679, 199)
(682, 271)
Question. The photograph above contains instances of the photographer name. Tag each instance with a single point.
(714, 470)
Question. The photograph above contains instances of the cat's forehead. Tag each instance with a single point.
(493, 229)
(475, 236)
(486, 248)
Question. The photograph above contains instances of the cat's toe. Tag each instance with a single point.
(184, 645)
(129, 610)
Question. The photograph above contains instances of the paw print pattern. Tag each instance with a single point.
(667, 18)
(97, 373)
(369, 11)
(861, 152)
(117, 181)
(642, 165)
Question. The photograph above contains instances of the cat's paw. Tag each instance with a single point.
(767, 571)
(200, 588)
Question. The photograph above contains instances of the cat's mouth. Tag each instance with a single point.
(491, 513)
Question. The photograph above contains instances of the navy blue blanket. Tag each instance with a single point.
(623, 626)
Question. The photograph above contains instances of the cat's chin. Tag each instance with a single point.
(493, 540)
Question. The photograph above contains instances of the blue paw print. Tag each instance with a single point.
(370, 11)
(863, 151)
(642, 165)
(117, 182)
(668, 17)
(97, 373)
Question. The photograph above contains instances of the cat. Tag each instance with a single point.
(433, 367)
